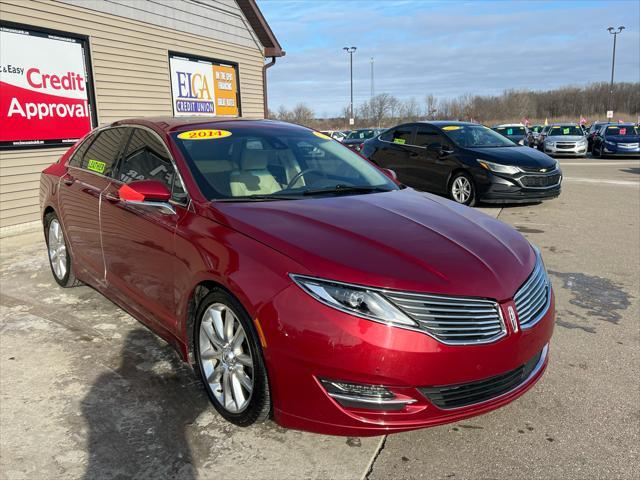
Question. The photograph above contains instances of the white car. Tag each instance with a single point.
(335, 134)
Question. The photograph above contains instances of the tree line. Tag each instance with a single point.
(562, 104)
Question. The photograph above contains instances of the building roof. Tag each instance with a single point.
(260, 26)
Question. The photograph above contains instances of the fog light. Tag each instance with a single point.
(360, 395)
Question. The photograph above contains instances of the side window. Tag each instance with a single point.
(76, 157)
(426, 137)
(400, 135)
(146, 158)
(102, 154)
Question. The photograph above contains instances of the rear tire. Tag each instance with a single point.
(229, 361)
(57, 248)
(462, 189)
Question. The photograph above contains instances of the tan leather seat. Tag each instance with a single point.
(217, 173)
(253, 178)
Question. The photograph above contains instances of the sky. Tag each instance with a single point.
(444, 48)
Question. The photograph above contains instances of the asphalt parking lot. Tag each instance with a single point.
(87, 392)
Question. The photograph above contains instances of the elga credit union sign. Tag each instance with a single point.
(203, 87)
(44, 92)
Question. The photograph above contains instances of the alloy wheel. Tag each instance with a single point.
(57, 249)
(461, 189)
(225, 358)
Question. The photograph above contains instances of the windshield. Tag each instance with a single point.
(476, 136)
(281, 161)
(361, 134)
(511, 130)
(621, 130)
(562, 130)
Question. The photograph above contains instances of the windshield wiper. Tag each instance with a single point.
(346, 189)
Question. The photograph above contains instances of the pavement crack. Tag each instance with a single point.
(375, 456)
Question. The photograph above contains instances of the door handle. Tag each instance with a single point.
(68, 179)
(110, 197)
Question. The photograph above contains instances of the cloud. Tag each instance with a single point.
(444, 48)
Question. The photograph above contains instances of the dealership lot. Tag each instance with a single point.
(99, 396)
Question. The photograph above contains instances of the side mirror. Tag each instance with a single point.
(390, 173)
(150, 193)
(435, 147)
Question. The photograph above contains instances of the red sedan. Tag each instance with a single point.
(301, 281)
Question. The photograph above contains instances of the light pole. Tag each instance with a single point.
(615, 33)
(350, 51)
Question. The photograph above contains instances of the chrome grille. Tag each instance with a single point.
(532, 299)
(452, 320)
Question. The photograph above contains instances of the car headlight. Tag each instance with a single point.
(549, 143)
(497, 167)
(521, 142)
(356, 300)
(611, 144)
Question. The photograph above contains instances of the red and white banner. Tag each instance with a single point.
(44, 89)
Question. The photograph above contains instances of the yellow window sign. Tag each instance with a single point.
(321, 135)
(400, 141)
(565, 131)
(451, 127)
(96, 166)
(204, 134)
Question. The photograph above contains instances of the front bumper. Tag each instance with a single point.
(493, 188)
(617, 150)
(577, 151)
(308, 341)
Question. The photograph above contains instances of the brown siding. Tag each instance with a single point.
(131, 79)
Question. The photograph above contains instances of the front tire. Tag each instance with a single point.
(229, 360)
(462, 189)
(59, 258)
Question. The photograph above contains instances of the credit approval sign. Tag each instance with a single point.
(44, 89)
(203, 87)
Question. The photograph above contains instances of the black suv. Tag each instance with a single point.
(465, 161)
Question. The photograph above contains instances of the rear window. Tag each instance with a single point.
(361, 135)
(511, 130)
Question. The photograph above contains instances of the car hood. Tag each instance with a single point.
(518, 156)
(402, 239)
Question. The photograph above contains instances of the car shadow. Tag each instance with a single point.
(635, 170)
(499, 206)
(138, 414)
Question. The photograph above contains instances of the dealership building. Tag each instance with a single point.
(67, 66)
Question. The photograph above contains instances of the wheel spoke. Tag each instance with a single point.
(226, 390)
(244, 359)
(237, 339)
(211, 335)
(218, 324)
(214, 376)
(210, 354)
(238, 394)
(244, 380)
(229, 320)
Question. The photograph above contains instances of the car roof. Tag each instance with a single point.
(439, 123)
(169, 124)
(509, 125)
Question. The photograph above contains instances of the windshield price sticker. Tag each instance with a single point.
(623, 131)
(321, 135)
(400, 141)
(204, 134)
(565, 131)
(510, 131)
(451, 127)
(96, 166)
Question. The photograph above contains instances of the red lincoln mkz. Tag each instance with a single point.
(301, 281)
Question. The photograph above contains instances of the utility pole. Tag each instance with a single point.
(350, 51)
(372, 90)
(615, 33)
